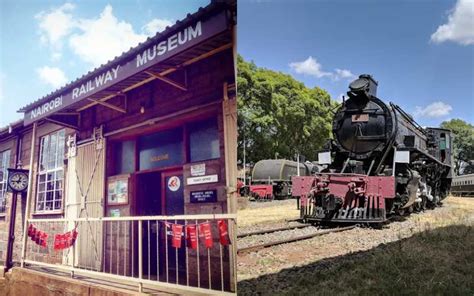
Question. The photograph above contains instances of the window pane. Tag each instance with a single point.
(124, 157)
(161, 149)
(204, 140)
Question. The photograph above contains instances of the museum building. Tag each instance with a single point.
(129, 172)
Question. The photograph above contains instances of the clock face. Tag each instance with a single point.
(18, 181)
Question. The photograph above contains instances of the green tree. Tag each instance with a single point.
(463, 141)
(279, 116)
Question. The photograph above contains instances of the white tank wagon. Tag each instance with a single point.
(271, 178)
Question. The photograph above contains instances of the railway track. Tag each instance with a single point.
(256, 247)
(265, 231)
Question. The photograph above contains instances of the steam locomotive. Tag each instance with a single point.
(380, 163)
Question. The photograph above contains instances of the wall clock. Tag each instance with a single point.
(17, 180)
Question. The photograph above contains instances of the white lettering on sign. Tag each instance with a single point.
(97, 82)
(173, 42)
(198, 169)
(202, 180)
(46, 107)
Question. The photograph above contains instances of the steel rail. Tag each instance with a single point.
(265, 231)
(289, 240)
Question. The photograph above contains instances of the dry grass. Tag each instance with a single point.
(434, 262)
(276, 212)
(455, 210)
(431, 253)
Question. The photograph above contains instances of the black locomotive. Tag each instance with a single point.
(380, 162)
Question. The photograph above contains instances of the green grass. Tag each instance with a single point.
(435, 262)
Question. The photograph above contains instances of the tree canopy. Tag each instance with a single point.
(463, 142)
(279, 116)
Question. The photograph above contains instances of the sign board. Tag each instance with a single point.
(324, 158)
(402, 156)
(115, 213)
(198, 169)
(174, 183)
(117, 190)
(203, 196)
(157, 51)
(202, 180)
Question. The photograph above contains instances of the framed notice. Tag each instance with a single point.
(203, 196)
(117, 190)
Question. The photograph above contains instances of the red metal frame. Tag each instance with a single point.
(359, 197)
(262, 191)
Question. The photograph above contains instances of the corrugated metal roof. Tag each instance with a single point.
(215, 5)
(14, 125)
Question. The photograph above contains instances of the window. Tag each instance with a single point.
(161, 149)
(204, 140)
(124, 157)
(51, 173)
(4, 164)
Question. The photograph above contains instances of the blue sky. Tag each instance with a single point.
(421, 52)
(46, 44)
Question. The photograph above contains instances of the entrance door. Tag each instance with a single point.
(172, 184)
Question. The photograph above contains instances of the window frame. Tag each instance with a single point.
(5, 158)
(59, 167)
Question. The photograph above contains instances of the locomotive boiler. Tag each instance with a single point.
(380, 163)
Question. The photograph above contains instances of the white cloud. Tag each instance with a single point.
(103, 38)
(310, 66)
(156, 25)
(460, 25)
(52, 76)
(343, 74)
(93, 40)
(436, 109)
(55, 24)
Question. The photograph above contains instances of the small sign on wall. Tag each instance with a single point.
(203, 196)
(198, 169)
(202, 180)
(174, 183)
(117, 190)
(115, 213)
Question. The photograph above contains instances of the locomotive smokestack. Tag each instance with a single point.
(363, 88)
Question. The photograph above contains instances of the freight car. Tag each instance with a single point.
(271, 178)
(463, 185)
(381, 163)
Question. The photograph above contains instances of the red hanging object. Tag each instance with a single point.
(205, 230)
(67, 240)
(223, 233)
(191, 236)
(33, 233)
(44, 239)
(31, 228)
(177, 230)
(37, 237)
(57, 242)
(74, 236)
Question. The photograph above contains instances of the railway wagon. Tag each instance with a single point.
(271, 178)
(463, 185)
(380, 163)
